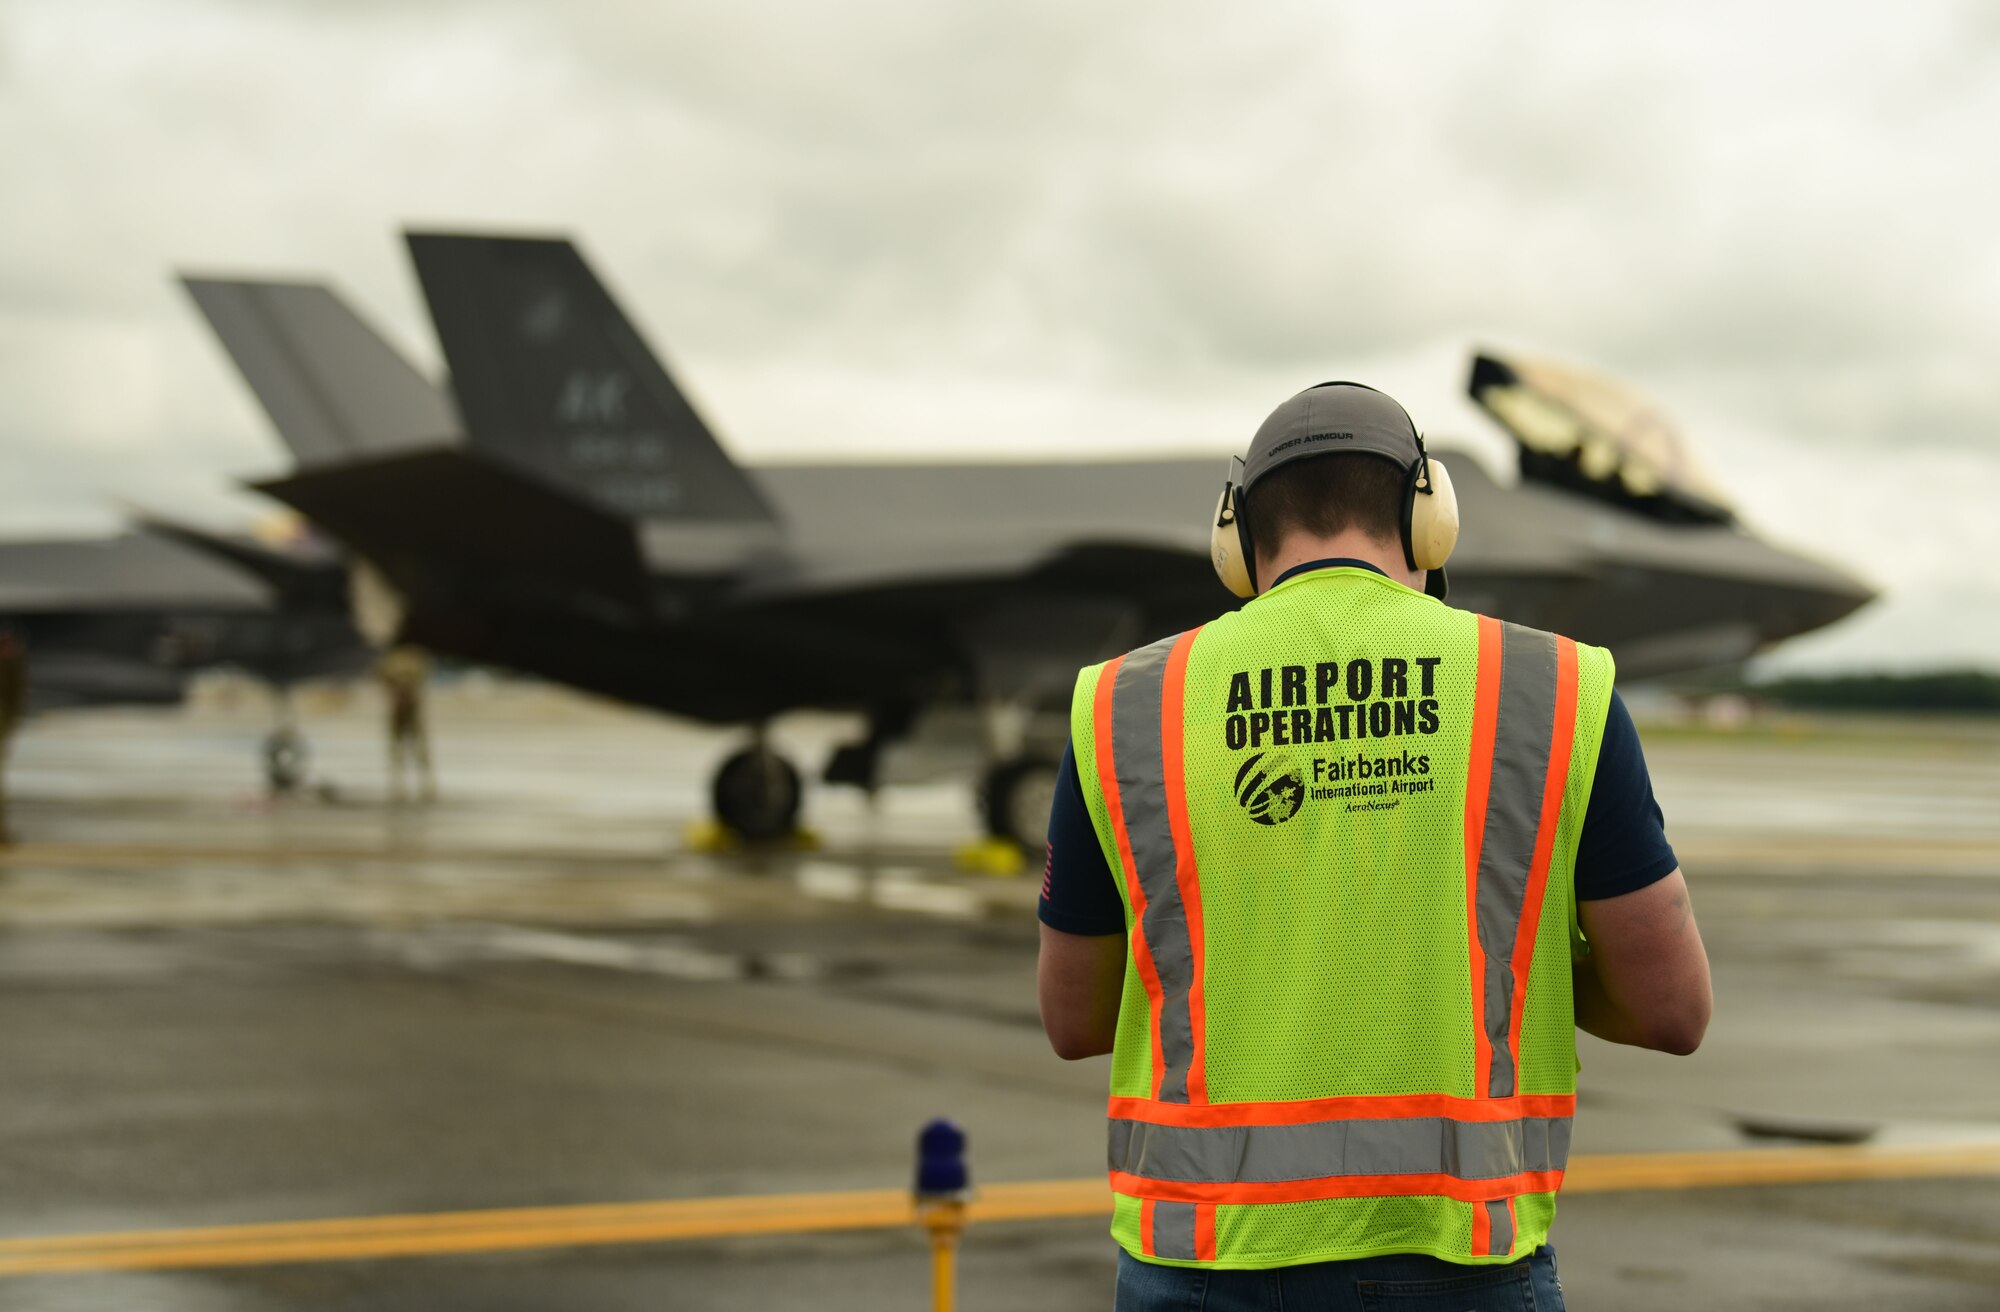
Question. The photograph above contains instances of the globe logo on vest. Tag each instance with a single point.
(1271, 799)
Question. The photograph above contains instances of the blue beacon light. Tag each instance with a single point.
(941, 1166)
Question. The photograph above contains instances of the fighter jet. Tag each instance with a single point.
(561, 508)
(129, 619)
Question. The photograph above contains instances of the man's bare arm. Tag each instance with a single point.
(1078, 982)
(1646, 980)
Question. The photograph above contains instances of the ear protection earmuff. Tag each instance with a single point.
(1430, 513)
(1429, 524)
(1229, 547)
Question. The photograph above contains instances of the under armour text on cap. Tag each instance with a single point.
(1327, 420)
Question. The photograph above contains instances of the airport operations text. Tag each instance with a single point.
(1331, 701)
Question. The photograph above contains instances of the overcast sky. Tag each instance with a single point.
(861, 227)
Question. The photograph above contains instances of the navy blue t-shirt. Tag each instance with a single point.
(1622, 849)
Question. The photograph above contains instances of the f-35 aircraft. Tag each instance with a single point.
(129, 619)
(563, 510)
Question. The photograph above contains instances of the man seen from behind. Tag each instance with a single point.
(1334, 879)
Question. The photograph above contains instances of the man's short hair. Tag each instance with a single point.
(1325, 496)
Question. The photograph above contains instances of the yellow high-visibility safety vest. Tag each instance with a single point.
(1344, 821)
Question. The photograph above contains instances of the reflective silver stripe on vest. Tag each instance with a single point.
(1523, 732)
(1500, 1225)
(1137, 757)
(1173, 1230)
(1268, 1154)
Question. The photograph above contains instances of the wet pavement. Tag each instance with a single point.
(221, 1010)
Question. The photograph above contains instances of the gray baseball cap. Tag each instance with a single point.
(1327, 420)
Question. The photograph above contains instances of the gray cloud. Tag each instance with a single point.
(1054, 186)
(1700, 202)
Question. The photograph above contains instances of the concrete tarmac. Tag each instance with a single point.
(218, 1010)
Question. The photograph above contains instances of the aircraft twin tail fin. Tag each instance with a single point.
(334, 388)
(553, 378)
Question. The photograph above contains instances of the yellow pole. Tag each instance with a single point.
(945, 1221)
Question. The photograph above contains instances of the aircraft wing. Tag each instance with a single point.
(1663, 593)
(853, 524)
(307, 575)
(130, 571)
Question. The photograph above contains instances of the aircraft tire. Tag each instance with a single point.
(1015, 797)
(285, 757)
(756, 794)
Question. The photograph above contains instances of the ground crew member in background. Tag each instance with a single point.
(404, 673)
(13, 704)
(1334, 879)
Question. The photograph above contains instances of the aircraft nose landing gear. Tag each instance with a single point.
(756, 795)
(285, 753)
(285, 759)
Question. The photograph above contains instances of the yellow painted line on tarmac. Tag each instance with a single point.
(87, 855)
(534, 1227)
(681, 1219)
(1610, 1173)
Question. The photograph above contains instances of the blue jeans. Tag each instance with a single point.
(1401, 1282)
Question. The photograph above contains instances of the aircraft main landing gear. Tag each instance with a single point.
(1014, 800)
(756, 794)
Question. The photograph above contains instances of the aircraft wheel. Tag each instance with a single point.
(756, 794)
(285, 758)
(1015, 799)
